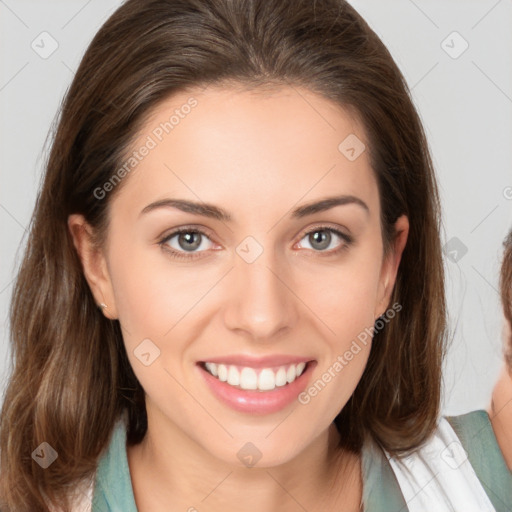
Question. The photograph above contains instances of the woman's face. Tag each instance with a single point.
(260, 281)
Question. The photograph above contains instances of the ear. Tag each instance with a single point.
(390, 265)
(94, 264)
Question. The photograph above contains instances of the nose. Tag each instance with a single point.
(262, 305)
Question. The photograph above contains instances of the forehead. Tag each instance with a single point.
(250, 147)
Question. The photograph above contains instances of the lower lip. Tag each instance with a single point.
(254, 401)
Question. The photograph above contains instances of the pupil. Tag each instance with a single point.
(324, 239)
(188, 239)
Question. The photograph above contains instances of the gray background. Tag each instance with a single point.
(464, 99)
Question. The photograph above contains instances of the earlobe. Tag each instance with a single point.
(391, 264)
(93, 264)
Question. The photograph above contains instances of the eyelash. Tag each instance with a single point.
(180, 255)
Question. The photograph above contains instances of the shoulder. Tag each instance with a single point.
(478, 440)
(500, 413)
(113, 488)
(381, 491)
(459, 466)
(110, 487)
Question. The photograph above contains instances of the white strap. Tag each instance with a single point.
(84, 503)
(81, 498)
(439, 476)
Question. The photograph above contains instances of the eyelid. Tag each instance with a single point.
(185, 229)
(163, 239)
(324, 226)
(347, 240)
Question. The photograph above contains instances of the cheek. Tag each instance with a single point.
(345, 301)
(345, 297)
(152, 293)
(347, 309)
(155, 306)
(163, 306)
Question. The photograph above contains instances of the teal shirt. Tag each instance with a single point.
(113, 490)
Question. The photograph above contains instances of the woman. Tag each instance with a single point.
(223, 297)
(501, 405)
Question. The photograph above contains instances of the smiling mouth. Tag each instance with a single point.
(255, 379)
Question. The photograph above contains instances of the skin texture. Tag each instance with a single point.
(500, 410)
(257, 155)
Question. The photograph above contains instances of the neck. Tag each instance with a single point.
(168, 467)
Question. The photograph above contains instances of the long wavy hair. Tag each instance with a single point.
(506, 294)
(70, 377)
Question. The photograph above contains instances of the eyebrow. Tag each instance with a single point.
(215, 212)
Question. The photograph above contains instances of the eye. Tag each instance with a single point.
(187, 243)
(321, 237)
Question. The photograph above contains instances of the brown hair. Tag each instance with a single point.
(506, 294)
(71, 378)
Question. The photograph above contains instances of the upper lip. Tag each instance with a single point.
(258, 362)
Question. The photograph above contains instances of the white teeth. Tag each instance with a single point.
(223, 372)
(281, 377)
(233, 376)
(212, 368)
(248, 378)
(267, 379)
(291, 374)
